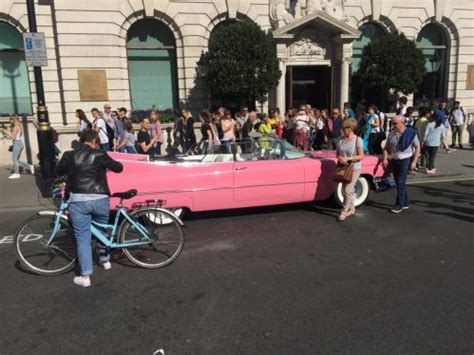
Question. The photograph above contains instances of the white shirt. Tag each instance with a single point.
(458, 116)
(301, 122)
(103, 130)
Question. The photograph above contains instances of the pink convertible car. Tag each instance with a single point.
(253, 172)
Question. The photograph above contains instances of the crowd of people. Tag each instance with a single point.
(306, 128)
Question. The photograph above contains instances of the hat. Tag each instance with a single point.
(123, 109)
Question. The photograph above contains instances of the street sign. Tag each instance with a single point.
(35, 49)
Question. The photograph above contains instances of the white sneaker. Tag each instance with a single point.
(14, 176)
(32, 169)
(107, 265)
(82, 281)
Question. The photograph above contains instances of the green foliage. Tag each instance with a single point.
(243, 65)
(392, 62)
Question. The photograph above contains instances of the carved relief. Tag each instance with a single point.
(308, 48)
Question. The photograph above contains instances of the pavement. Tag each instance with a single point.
(24, 193)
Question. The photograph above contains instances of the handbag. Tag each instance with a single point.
(10, 148)
(344, 173)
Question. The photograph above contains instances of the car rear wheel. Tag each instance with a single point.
(178, 212)
(362, 190)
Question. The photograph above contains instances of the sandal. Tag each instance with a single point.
(351, 212)
(343, 216)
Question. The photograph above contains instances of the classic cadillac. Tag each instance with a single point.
(251, 172)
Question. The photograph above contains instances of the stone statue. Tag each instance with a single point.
(313, 5)
(279, 14)
(334, 8)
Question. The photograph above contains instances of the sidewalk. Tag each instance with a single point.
(459, 163)
(24, 193)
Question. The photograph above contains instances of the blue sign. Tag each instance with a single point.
(29, 43)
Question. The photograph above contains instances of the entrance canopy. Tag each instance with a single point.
(317, 39)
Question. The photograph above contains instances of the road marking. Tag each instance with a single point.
(434, 180)
(8, 239)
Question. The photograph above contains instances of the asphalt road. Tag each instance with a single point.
(268, 281)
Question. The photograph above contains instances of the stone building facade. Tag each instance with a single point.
(149, 49)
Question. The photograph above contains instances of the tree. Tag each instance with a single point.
(391, 62)
(243, 66)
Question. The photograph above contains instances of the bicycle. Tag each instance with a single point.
(45, 243)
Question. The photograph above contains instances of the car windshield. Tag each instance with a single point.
(264, 147)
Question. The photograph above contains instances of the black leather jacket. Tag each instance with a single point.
(86, 170)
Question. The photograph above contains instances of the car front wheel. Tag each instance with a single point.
(362, 190)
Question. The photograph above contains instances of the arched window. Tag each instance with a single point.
(370, 31)
(151, 53)
(15, 95)
(434, 45)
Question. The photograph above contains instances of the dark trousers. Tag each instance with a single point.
(105, 146)
(456, 131)
(400, 169)
(373, 141)
(430, 157)
(332, 143)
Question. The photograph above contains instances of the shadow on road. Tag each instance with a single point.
(454, 205)
(329, 207)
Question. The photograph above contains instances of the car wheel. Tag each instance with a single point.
(178, 212)
(362, 190)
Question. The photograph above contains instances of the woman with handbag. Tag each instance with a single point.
(349, 153)
(16, 134)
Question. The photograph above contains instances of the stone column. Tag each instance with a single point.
(344, 84)
(281, 89)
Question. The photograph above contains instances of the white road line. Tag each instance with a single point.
(434, 180)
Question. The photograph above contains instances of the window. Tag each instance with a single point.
(370, 31)
(15, 95)
(432, 41)
(152, 65)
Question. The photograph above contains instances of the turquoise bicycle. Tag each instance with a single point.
(149, 236)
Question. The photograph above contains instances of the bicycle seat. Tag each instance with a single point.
(126, 195)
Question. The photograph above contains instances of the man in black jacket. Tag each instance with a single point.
(86, 169)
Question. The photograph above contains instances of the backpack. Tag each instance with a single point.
(110, 132)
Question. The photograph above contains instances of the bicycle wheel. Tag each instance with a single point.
(29, 245)
(163, 242)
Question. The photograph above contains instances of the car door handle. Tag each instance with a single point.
(240, 168)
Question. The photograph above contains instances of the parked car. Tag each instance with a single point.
(251, 172)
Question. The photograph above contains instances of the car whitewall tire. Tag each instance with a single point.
(362, 190)
(178, 212)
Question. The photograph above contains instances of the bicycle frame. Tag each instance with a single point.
(107, 241)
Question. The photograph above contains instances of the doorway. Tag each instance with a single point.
(308, 85)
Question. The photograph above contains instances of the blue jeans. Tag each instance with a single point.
(82, 213)
(131, 149)
(400, 169)
(16, 152)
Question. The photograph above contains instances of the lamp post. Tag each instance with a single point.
(203, 65)
(202, 71)
(44, 133)
(435, 61)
